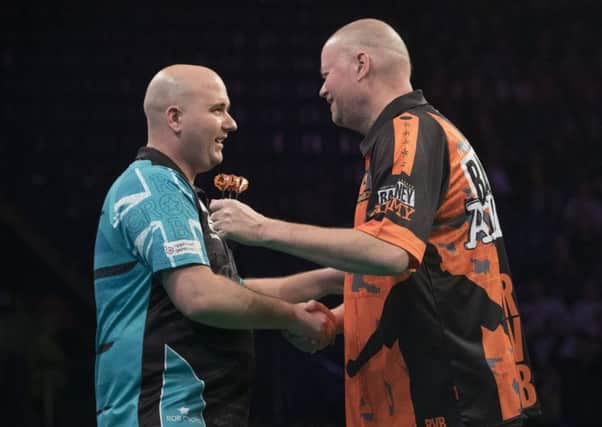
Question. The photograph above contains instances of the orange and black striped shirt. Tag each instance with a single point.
(441, 345)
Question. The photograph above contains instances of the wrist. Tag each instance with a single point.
(267, 231)
(293, 319)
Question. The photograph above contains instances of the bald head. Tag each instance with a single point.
(380, 40)
(188, 119)
(365, 65)
(175, 84)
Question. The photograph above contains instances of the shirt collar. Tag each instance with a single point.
(395, 108)
(158, 158)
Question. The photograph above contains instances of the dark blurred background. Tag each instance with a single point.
(521, 79)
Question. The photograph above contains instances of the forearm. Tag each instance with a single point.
(220, 302)
(345, 249)
(245, 310)
(300, 287)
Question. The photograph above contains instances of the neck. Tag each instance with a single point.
(168, 150)
(383, 98)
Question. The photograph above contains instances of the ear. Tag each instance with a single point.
(363, 64)
(173, 114)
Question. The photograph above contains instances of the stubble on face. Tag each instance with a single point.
(339, 88)
(208, 130)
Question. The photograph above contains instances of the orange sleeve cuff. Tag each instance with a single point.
(397, 235)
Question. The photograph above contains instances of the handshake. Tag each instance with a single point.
(314, 328)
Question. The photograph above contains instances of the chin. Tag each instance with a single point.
(337, 120)
(217, 161)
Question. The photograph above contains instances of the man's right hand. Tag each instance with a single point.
(237, 221)
(315, 327)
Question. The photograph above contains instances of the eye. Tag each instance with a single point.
(219, 109)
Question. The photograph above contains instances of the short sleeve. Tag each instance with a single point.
(156, 214)
(409, 168)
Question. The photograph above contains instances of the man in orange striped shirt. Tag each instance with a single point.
(432, 330)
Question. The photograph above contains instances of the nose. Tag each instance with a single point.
(230, 124)
(323, 91)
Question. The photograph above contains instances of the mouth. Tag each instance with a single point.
(220, 140)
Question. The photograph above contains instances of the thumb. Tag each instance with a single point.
(313, 305)
(216, 204)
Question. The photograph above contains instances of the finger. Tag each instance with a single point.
(318, 339)
(217, 204)
(218, 222)
(327, 326)
(332, 318)
(215, 221)
(312, 306)
(328, 336)
(217, 228)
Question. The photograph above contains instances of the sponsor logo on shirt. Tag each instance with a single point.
(399, 198)
(184, 417)
(402, 191)
(178, 247)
